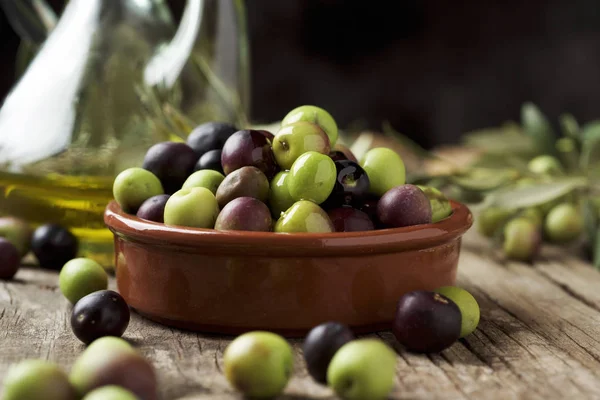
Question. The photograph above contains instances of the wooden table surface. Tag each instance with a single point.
(539, 336)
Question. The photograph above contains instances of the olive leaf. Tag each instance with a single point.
(508, 138)
(426, 179)
(569, 126)
(568, 153)
(502, 161)
(533, 195)
(536, 125)
(590, 147)
(484, 179)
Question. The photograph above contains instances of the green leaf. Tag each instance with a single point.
(508, 138)
(485, 179)
(590, 147)
(569, 126)
(536, 125)
(568, 153)
(426, 179)
(502, 161)
(590, 129)
(533, 195)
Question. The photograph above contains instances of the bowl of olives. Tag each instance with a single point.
(243, 229)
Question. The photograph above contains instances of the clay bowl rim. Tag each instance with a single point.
(197, 240)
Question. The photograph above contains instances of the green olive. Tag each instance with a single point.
(80, 277)
(133, 186)
(534, 214)
(469, 308)
(258, 364)
(206, 178)
(112, 361)
(110, 392)
(522, 239)
(279, 195)
(385, 169)
(362, 369)
(546, 165)
(194, 207)
(563, 223)
(37, 380)
(440, 206)
(317, 116)
(491, 219)
(18, 232)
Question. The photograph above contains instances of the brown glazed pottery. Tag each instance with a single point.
(232, 282)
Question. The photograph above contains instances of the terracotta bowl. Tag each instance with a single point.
(232, 282)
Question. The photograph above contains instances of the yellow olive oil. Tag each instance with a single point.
(75, 202)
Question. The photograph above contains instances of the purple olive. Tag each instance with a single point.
(244, 214)
(321, 344)
(426, 322)
(249, 148)
(171, 162)
(404, 205)
(348, 219)
(153, 209)
(101, 313)
(53, 246)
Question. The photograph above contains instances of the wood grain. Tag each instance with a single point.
(539, 336)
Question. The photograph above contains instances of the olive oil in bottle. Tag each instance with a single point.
(77, 203)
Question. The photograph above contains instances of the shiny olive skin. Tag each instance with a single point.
(279, 195)
(244, 214)
(385, 169)
(54, 245)
(80, 277)
(258, 364)
(469, 308)
(362, 369)
(210, 160)
(315, 115)
(348, 219)
(153, 209)
(304, 217)
(404, 205)
(99, 314)
(134, 186)
(194, 207)
(426, 322)
(171, 163)
(312, 177)
(351, 186)
(295, 139)
(321, 344)
(249, 148)
(440, 205)
(210, 136)
(243, 182)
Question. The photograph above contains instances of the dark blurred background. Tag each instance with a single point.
(432, 68)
